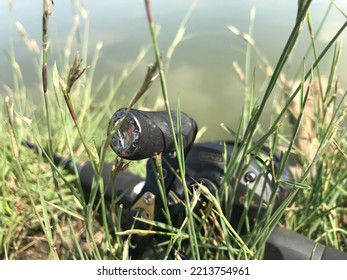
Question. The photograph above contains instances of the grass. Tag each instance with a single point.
(46, 216)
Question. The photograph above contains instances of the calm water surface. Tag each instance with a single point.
(201, 72)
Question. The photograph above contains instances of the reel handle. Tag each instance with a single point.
(143, 134)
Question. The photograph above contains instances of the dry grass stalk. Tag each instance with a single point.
(314, 119)
(30, 43)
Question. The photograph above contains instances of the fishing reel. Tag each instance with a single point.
(140, 135)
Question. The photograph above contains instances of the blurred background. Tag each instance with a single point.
(202, 71)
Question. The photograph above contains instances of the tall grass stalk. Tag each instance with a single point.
(279, 66)
(248, 81)
(45, 225)
(179, 150)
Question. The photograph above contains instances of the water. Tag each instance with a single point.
(201, 74)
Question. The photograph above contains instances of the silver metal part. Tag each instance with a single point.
(125, 139)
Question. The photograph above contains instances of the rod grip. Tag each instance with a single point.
(284, 244)
(124, 187)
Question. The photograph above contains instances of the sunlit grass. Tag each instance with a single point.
(44, 213)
